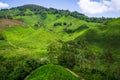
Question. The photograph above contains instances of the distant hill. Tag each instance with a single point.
(42, 10)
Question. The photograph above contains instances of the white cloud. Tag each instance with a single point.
(3, 5)
(93, 7)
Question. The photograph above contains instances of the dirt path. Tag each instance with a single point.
(73, 73)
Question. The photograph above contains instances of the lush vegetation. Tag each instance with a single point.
(38, 43)
(51, 72)
(34, 9)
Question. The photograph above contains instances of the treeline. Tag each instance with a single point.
(79, 58)
(18, 68)
(42, 10)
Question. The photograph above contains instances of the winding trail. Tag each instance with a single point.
(74, 73)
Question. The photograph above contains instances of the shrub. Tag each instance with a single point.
(19, 73)
(57, 24)
(2, 37)
(64, 23)
(31, 64)
(67, 60)
(67, 55)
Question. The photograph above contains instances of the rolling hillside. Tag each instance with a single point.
(32, 36)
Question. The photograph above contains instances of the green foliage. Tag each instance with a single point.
(17, 68)
(19, 73)
(58, 16)
(30, 63)
(57, 24)
(60, 37)
(53, 52)
(80, 28)
(102, 59)
(64, 23)
(38, 25)
(31, 9)
(9, 13)
(51, 72)
(29, 12)
(43, 16)
(67, 60)
(2, 37)
(5, 45)
(67, 54)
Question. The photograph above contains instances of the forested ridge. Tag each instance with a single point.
(42, 10)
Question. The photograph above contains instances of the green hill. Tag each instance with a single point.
(101, 48)
(6, 23)
(32, 36)
(38, 30)
(51, 72)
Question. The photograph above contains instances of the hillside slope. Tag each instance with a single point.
(34, 36)
(6, 23)
(101, 48)
(51, 72)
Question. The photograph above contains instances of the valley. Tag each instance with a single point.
(38, 43)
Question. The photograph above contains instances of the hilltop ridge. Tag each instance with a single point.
(37, 9)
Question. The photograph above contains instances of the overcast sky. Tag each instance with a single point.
(96, 8)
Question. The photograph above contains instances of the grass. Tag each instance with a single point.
(22, 43)
(51, 72)
(102, 43)
(30, 38)
(29, 20)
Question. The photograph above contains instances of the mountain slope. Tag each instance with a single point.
(51, 36)
(101, 48)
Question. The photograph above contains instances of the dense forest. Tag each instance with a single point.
(38, 43)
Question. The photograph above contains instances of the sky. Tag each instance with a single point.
(92, 8)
